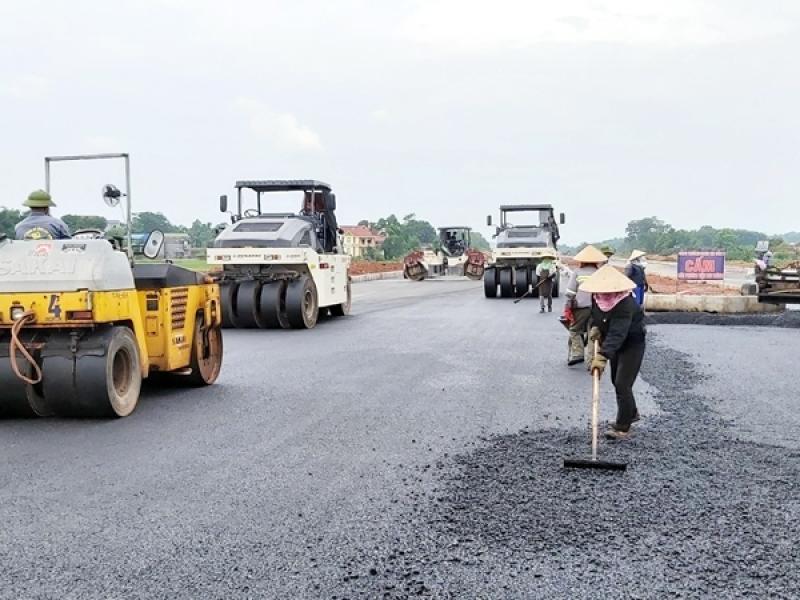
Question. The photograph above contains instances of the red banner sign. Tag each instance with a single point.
(701, 265)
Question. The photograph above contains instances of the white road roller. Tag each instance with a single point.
(281, 269)
(518, 249)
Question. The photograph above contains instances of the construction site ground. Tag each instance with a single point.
(364, 267)
(414, 449)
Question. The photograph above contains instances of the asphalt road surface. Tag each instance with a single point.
(414, 449)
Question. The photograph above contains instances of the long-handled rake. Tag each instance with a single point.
(529, 292)
(594, 462)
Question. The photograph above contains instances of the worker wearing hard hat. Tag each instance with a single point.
(635, 271)
(618, 327)
(608, 251)
(40, 224)
(578, 308)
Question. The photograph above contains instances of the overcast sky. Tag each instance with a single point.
(609, 110)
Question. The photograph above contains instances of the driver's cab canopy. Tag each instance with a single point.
(313, 202)
(317, 195)
(455, 232)
(315, 216)
(509, 214)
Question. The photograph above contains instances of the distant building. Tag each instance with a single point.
(357, 239)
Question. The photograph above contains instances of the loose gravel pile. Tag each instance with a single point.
(698, 514)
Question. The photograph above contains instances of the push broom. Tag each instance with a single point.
(594, 462)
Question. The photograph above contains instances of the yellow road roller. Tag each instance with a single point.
(81, 323)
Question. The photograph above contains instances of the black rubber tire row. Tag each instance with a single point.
(512, 282)
(292, 304)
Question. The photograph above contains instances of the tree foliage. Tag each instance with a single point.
(201, 234)
(9, 217)
(479, 242)
(655, 236)
(145, 222)
(403, 236)
(76, 222)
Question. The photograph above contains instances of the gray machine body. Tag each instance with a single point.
(63, 266)
(271, 231)
(525, 237)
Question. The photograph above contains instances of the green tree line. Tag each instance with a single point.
(655, 236)
(200, 234)
(408, 234)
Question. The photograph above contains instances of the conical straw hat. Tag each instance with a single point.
(590, 254)
(637, 254)
(606, 280)
(548, 254)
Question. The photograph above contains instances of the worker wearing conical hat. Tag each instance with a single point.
(618, 326)
(635, 271)
(40, 224)
(578, 307)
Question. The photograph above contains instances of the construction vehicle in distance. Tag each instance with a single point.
(455, 257)
(519, 249)
(774, 285)
(281, 270)
(779, 285)
(81, 323)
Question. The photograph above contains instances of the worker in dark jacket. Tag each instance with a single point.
(618, 326)
(635, 271)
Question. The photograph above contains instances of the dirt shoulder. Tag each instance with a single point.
(364, 267)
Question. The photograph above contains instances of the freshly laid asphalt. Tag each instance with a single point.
(414, 449)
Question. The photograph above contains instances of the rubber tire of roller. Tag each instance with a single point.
(523, 281)
(227, 293)
(123, 378)
(490, 283)
(302, 304)
(247, 304)
(15, 399)
(506, 283)
(272, 307)
(342, 310)
(206, 363)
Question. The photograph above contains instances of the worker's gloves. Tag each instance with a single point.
(599, 364)
(595, 335)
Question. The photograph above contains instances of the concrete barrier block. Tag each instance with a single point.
(710, 304)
